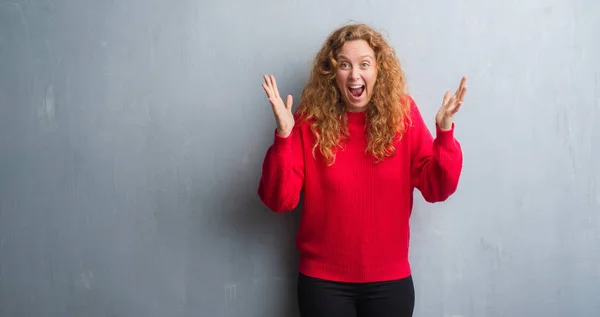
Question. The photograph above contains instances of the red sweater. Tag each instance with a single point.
(355, 218)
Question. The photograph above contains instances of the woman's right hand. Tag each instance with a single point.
(283, 112)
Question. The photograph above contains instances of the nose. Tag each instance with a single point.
(354, 74)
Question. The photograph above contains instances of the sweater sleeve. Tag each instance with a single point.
(283, 173)
(436, 164)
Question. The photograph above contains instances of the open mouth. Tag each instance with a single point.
(356, 90)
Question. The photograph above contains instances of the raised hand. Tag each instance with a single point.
(283, 112)
(450, 106)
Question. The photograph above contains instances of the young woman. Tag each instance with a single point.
(357, 147)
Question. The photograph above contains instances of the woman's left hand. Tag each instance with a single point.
(450, 106)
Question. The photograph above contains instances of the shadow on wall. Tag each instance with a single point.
(265, 260)
(259, 260)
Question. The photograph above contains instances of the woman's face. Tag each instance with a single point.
(356, 74)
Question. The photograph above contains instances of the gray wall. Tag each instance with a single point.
(132, 134)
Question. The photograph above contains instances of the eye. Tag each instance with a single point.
(365, 64)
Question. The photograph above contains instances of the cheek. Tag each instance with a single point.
(371, 78)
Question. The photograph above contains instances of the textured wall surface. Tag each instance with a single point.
(132, 134)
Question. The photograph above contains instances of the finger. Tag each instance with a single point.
(451, 103)
(269, 86)
(289, 102)
(275, 86)
(447, 96)
(454, 107)
(266, 89)
(268, 81)
(462, 84)
(464, 81)
(462, 94)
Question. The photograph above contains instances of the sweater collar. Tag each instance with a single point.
(356, 117)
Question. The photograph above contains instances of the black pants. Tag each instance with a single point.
(321, 298)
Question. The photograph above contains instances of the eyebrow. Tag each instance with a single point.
(364, 56)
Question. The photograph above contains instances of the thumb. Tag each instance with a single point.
(288, 103)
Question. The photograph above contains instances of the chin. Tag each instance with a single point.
(356, 106)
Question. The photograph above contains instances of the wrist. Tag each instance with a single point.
(445, 128)
(283, 134)
(445, 125)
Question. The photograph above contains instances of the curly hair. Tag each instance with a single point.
(321, 101)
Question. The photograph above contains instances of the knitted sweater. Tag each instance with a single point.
(355, 217)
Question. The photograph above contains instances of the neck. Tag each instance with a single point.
(356, 117)
(351, 109)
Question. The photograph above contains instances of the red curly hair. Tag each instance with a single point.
(387, 111)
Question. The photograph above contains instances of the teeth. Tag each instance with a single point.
(355, 86)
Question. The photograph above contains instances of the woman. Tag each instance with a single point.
(357, 147)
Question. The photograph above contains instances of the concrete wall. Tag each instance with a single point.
(132, 134)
